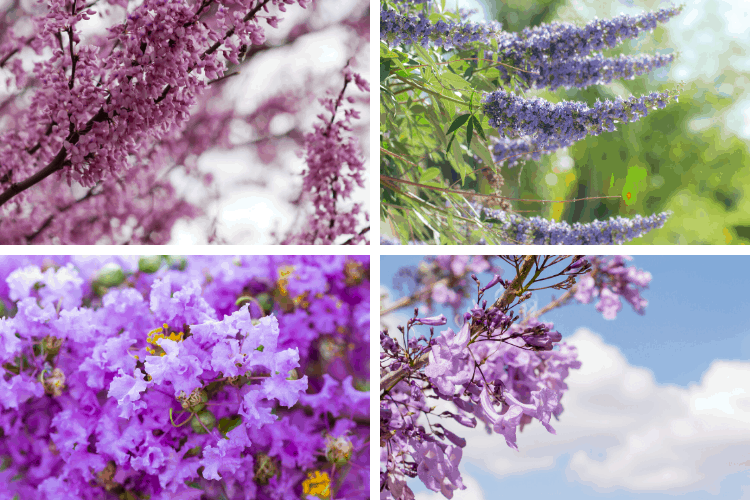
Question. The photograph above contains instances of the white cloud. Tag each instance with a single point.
(624, 431)
(472, 492)
(394, 319)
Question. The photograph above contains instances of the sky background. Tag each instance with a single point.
(661, 406)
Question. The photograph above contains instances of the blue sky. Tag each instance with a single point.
(684, 430)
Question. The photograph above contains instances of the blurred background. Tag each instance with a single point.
(257, 172)
(660, 408)
(695, 152)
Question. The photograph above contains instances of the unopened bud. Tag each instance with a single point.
(51, 345)
(55, 383)
(206, 418)
(110, 275)
(149, 264)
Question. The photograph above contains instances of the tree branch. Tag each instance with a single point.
(389, 381)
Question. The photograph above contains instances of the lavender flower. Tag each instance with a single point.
(515, 229)
(538, 231)
(580, 71)
(404, 29)
(553, 126)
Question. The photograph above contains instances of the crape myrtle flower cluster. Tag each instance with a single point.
(504, 367)
(173, 378)
(114, 112)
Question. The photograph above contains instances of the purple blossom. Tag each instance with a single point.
(505, 368)
(397, 28)
(106, 402)
(553, 126)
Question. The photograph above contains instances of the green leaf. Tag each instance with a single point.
(478, 126)
(450, 142)
(227, 424)
(469, 132)
(455, 80)
(429, 174)
(459, 159)
(483, 153)
(457, 123)
(425, 55)
(385, 69)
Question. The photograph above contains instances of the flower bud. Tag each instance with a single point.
(110, 275)
(149, 264)
(354, 273)
(178, 263)
(207, 418)
(432, 321)
(338, 450)
(266, 302)
(194, 451)
(106, 477)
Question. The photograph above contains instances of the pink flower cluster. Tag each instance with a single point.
(335, 165)
(112, 114)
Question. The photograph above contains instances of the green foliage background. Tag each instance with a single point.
(694, 166)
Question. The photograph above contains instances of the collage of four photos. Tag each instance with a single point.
(190, 261)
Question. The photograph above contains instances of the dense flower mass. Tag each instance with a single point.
(467, 57)
(334, 167)
(400, 28)
(504, 367)
(554, 126)
(198, 378)
(518, 230)
(119, 96)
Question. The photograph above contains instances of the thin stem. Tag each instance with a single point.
(183, 423)
(414, 85)
(474, 59)
(480, 195)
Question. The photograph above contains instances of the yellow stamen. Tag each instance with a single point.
(317, 484)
